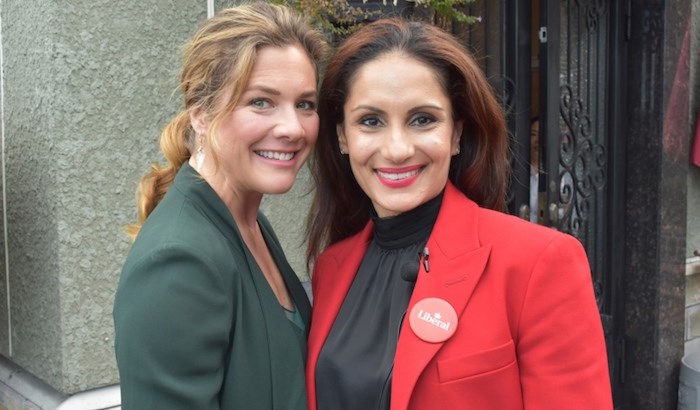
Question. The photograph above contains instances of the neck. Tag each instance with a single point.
(243, 205)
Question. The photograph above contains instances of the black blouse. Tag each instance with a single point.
(355, 365)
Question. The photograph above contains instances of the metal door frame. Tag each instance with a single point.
(611, 242)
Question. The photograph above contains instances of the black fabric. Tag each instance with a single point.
(354, 368)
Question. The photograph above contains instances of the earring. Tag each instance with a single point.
(199, 156)
(342, 151)
(457, 150)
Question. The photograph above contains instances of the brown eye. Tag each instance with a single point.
(422, 120)
(370, 121)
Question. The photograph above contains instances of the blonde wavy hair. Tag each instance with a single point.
(218, 60)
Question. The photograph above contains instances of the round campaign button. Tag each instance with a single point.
(433, 320)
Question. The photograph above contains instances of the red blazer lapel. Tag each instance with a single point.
(339, 271)
(457, 261)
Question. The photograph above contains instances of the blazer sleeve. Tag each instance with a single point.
(172, 319)
(561, 347)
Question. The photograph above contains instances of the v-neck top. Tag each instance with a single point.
(354, 368)
(299, 328)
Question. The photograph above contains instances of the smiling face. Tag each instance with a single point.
(265, 139)
(399, 132)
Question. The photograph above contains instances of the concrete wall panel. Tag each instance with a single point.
(88, 87)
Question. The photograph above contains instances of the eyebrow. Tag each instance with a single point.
(366, 107)
(418, 108)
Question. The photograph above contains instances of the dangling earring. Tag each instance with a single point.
(199, 156)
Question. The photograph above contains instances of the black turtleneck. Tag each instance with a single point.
(355, 365)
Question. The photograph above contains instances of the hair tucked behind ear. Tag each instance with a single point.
(217, 64)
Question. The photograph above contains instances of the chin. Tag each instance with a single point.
(398, 209)
(278, 189)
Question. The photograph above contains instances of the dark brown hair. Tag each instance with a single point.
(340, 208)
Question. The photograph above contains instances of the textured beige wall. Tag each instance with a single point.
(88, 86)
(31, 47)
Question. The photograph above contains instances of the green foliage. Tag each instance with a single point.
(335, 17)
(338, 18)
(449, 10)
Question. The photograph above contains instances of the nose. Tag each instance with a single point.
(398, 146)
(289, 125)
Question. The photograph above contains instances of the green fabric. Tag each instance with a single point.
(295, 318)
(297, 324)
(197, 325)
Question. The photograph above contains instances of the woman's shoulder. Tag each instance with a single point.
(507, 223)
(491, 226)
(517, 242)
(523, 240)
(179, 230)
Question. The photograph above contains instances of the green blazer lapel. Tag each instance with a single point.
(280, 339)
(296, 290)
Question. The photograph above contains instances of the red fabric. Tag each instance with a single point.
(529, 333)
(695, 154)
(676, 118)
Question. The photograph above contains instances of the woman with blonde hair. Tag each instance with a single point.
(208, 313)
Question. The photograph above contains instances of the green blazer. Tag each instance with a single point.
(197, 326)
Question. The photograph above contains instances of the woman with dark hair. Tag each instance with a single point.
(426, 295)
(208, 313)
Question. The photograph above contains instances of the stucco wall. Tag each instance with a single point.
(89, 84)
(30, 47)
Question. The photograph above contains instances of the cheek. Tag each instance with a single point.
(360, 144)
(311, 125)
(362, 173)
(439, 147)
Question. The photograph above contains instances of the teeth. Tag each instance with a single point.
(397, 176)
(282, 156)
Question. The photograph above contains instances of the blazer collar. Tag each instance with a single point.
(456, 263)
(197, 190)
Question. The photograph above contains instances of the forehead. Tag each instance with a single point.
(291, 59)
(284, 70)
(395, 75)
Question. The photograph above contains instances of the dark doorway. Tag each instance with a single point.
(557, 68)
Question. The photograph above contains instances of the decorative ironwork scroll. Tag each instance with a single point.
(582, 163)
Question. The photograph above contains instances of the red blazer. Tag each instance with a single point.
(529, 333)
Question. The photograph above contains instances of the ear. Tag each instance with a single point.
(199, 120)
(456, 135)
(342, 141)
